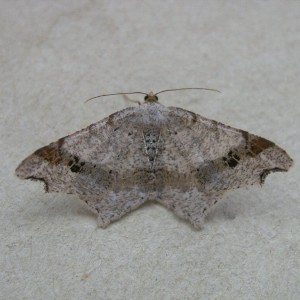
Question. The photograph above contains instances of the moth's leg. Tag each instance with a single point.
(131, 100)
(111, 207)
(190, 206)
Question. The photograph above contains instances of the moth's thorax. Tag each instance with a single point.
(152, 114)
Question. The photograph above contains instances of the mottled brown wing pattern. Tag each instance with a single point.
(151, 152)
(224, 157)
(79, 162)
(200, 159)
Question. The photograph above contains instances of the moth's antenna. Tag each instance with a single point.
(188, 89)
(114, 95)
(171, 90)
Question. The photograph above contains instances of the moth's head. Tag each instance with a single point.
(151, 98)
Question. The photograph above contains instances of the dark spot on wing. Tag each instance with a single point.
(232, 159)
(232, 163)
(110, 119)
(194, 117)
(75, 168)
(245, 135)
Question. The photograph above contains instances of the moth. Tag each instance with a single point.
(154, 153)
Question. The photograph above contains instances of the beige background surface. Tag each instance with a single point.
(56, 54)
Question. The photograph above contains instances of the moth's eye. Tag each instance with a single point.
(146, 97)
(156, 97)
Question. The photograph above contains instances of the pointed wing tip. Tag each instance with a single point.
(20, 172)
(28, 167)
(284, 163)
(289, 163)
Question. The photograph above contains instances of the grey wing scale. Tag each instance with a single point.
(94, 163)
(151, 152)
(225, 157)
(204, 158)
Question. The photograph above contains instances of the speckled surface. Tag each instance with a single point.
(55, 55)
(154, 153)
